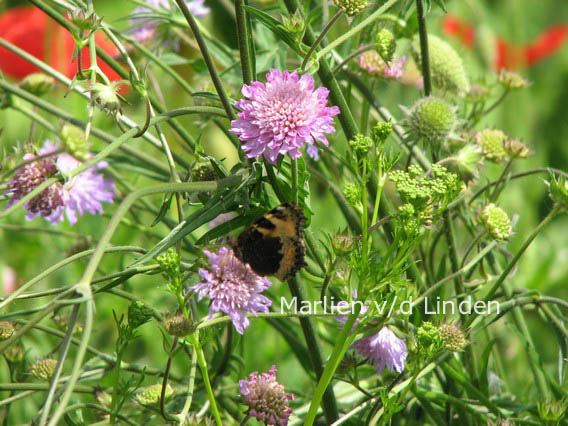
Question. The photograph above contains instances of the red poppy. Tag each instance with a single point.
(33, 31)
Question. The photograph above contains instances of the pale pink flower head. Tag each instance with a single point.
(383, 349)
(372, 62)
(83, 193)
(280, 116)
(9, 280)
(233, 288)
(266, 398)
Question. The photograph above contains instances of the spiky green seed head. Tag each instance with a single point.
(453, 337)
(351, 193)
(446, 66)
(496, 221)
(193, 420)
(15, 353)
(37, 83)
(512, 80)
(106, 96)
(492, 143)
(343, 243)
(552, 410)
(351, 7)
(138, 314)
(385, 44)
(432, 119)
(558, 191)
(178, 325)
(74, 142)
(361, 144)
(6, 330)
(44, 369)
(203, 171)
(150, 395)
(381, 131)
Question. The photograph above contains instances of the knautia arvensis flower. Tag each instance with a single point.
(372, 62)
(282, 115)
(266, 398)
(43, 369)
(150, 395)
(512, 80)
(453, 337)
(233, 288)
(431, 119)
(384, 350)
(496, 222)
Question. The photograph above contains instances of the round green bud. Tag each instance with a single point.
(361, 144)
(351, 7)
(512, 80)
(150, 395)
(381, 131)
(492, 143)
(107, 98)
(74, 142)
(428, 334)
(138, 314)
(496, 222)
(343, 243)
(453, 337)
(15, 353)
(385, 44)
(37, 83)
(558, 191)
(83, 19)
(446, 66)
(294, 23)
(44, 369)
(466, 162)
(178, 325)
(432, 119)
(351, 193)
(6, 330)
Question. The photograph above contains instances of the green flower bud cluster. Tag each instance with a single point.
(295, 23)
(496, 222)
(512, 81)
(381, 131)
(44, 369)
(429, 339)
(193, 420)
(343, 243)
(351, 7)
(446, 67)
(552, 410)
(84, 20)
(452, 337)
(361, 144)
(6, 330)
(37, 83)
(169, 261)
(150, 395)
(492, 143)
(138, 314)
(106, 96)
(431, 119)
(74, 142)
(385, 44)
(352, 194)
(558, 191)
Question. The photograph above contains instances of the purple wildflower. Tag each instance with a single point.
(266, 398)
(384, 349)
(83, 193)
(233, 287)
(146, 28)
(371, 62)
(222, 218)
(282, 115)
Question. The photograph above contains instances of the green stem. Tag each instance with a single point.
(320, 39)
(364, 212)
(243, 39)
(424, 56)
(116, 382)
(294, 180)
(190, 386)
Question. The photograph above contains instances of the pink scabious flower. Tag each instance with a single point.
(266, 398)
(233, 288)
(83, 193)
(279, 117)
(383, 349)
(145, 28)
(371, 62)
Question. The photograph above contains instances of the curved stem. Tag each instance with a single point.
(320, 38)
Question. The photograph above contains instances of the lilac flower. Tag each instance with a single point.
(282, 115)
(233, 288)
(83, 193)
(383, 349)
(371, 62)
(222, 218)
(266, 398)
(146, 28)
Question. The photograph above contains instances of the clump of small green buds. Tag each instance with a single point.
(496, 222)
(169, 261)
(15, 353)
(552, 410)
(361, 144)
(516, 149)
(6, 330)
(74, 142)
(295, 23)
(492, 143)
(429, 338)
(385, 44)
(381, 131)
(446, 66)
(432, 119)
(194, 420)
(452, 337)
(37, 83)
(558, 191)
(44, 369)
(83, 19)
(138, 314)
(351, 7)
(351, 193)
(203, 171)
(512, 81)
(178, 325)
(150, 395)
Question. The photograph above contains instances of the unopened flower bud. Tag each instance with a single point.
(203, 171)
(432, 119)
(466, 162)
(44, 368)
(138, 314)
(492, 143)
(351, 7)
(295, 23)
(385, 44)
(169, 262)
(361, 144)
(74, 142)
(558, 191)
(516, 149)
(496, 222)
(83, 19)
(342, 243)
(452, 337)
(552, 410)
(106, 96)
(512, 80)
(150, 395)
(446, 66)
(478, 94)
(37, 83)
(15, 353)
(428, 335)
(6, 330)
(381, 131)
(351, 193)
(178, 325)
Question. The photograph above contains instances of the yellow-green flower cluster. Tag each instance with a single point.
(496, 222)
